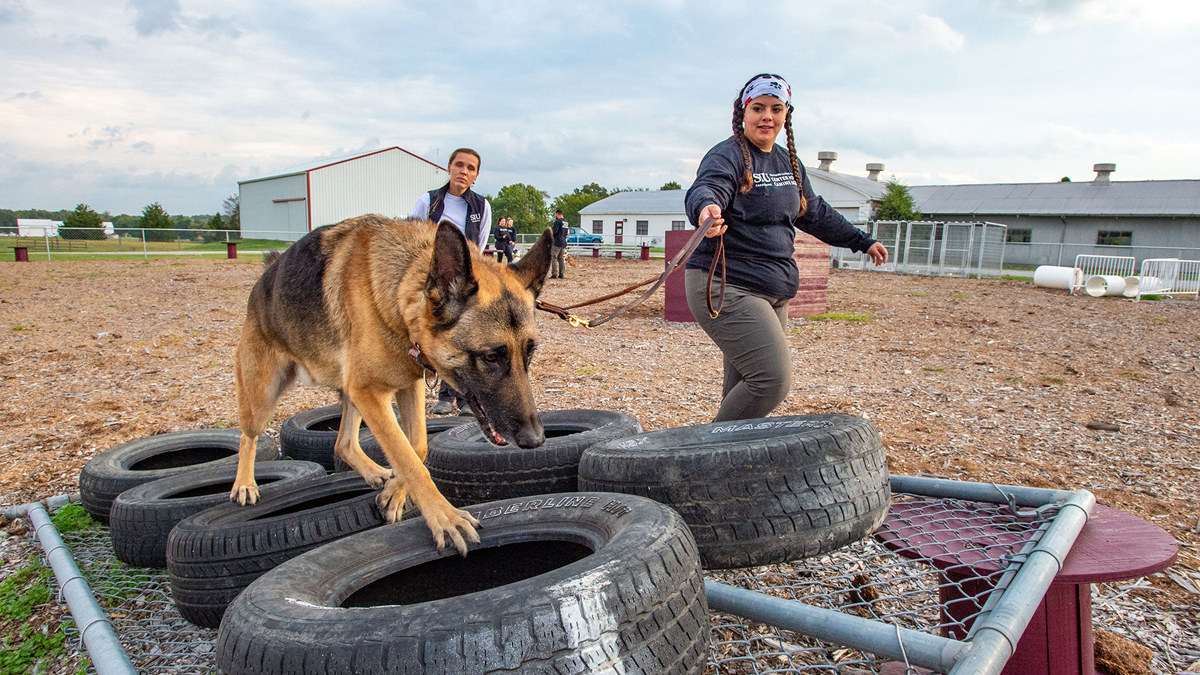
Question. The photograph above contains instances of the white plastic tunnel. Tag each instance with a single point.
(1104, 284)
(1053, 276)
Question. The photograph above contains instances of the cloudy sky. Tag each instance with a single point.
(119, 104)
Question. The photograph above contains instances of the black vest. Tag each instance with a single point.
(475, 207)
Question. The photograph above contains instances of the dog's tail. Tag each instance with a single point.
(270, 257)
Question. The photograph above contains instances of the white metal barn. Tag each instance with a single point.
(38, 227)
(290, 205)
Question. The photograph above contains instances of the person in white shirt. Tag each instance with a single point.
(456, 202)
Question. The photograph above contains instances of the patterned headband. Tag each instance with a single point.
(767, 85)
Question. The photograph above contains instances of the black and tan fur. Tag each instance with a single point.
(342, 308)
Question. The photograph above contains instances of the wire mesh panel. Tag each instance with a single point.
(930, 568)
(919, 242)
(138, 603)
(957, 243)
(990, 257)
(889, 233)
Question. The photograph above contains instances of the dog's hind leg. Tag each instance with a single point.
(411, 478)
(411, 402)
(262, 374)
(348, 448)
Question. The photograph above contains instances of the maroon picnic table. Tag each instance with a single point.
(1113, 546)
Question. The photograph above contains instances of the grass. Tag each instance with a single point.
(72, 518)
(20, 593)
(1014, 379)
(839, 316)
(20, 326)
(1053, 380)
(933, 370)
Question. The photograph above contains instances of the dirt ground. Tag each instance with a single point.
(993, 381)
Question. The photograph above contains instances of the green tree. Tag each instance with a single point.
(897, 203)
(525, 204)
(232, 208)
(213, 229)
(671, 185)
(571, 202)
(157, 223)
(89, 223)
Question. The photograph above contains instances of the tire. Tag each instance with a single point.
(469, 470)
(756, 492)
(142, 517)
(311, 435)
(560, 584)
(142, 460)
(213, 555)
(433, 427)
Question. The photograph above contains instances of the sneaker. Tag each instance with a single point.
(464, 409)
(440, 408)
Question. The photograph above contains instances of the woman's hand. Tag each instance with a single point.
(718, 227)
(878, 253)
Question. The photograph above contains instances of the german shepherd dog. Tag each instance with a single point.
(361, 307)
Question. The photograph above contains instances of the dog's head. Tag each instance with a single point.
(483, 332)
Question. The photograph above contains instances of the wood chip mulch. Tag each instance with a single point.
(993, 381)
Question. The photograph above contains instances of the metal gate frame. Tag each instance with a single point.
(999, 627)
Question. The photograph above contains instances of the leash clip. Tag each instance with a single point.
(576, 322)
(414, 353)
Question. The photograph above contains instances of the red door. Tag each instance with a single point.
(620, 230)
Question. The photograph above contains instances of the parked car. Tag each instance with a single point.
(578, 235)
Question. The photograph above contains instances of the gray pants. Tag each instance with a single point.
(752, 334)
(557, 255)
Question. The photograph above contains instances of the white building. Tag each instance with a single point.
(645, 217)
(37, 227)
(290, 205)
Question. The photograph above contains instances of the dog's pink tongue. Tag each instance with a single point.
(497, 438)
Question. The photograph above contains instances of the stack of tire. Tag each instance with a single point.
(756, 492)
(591, 554)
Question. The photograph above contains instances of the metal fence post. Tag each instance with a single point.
(46, 234)
(145, 255)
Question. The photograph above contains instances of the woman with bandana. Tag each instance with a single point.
(758, 194)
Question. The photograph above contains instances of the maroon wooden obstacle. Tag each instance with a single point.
(812, 261)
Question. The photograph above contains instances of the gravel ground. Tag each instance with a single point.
(965, 379)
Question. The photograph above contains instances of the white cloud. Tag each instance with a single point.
(1156, 15)
(178, 99)
(937, 33)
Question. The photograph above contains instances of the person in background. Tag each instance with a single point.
(456, 202)
(505, 236)
(757, 195)
(558, 251)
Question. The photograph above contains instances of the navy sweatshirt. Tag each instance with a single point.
(762, 223)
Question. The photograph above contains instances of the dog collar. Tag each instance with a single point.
(414, 353)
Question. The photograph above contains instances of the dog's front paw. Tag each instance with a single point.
(244, 494)
(376, 478)
(451, 525)
(391, 500)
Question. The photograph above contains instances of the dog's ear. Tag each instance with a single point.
(533, 267)
(451, 282)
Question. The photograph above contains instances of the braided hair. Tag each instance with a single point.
(739, 136)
